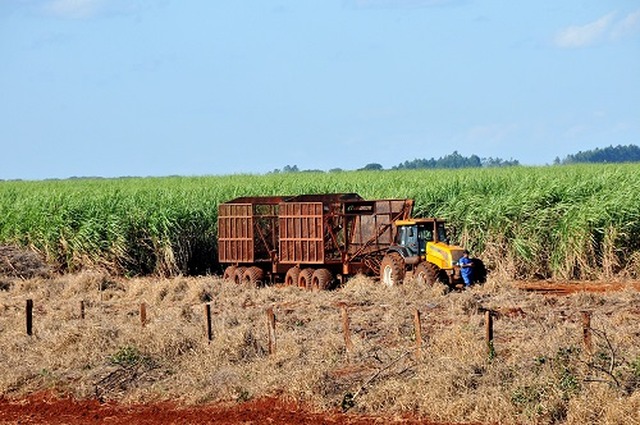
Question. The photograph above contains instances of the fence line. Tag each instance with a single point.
(489, 315)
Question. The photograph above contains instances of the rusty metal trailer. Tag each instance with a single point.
(309, 240)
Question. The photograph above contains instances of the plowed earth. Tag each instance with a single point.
(48, 409)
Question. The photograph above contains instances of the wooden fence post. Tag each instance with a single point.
(143, 314)
(488, 331)
(207, 318)
(271, 330)
(345, 329)
(29, 314)
(586, 330)
(418, 326)
(82, 309)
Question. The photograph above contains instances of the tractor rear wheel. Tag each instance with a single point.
(239, 274)
(321, 279)
(253, 276)
(229, 273)
(427, 273)
(392, 269)
(304, 278)
(291, 278)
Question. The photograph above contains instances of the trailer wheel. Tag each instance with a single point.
(305, 278)
(229, 273)
(237, 277)
(427, 273)
(291, 278)
(392, 269)
(253, 276)
(321, 279)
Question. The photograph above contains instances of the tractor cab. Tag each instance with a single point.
(415, 234)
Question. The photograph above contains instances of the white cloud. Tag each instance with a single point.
(74, 9)
(628, 25)
(78, 9)
(585, 35)
(603, 29)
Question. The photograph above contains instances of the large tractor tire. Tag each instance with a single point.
(239, 275)
(479, 271)
(392, 269)
(229, 273)
(291, 278)
(304, 278)
(321, 279)
(427, 273)
(253, 276)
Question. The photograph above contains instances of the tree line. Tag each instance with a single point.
(455, 160)
(620, 153)
(611, 154)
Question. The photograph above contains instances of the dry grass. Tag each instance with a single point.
(539, 373)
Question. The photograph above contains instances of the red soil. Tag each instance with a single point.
(567, 288)
(48, 409)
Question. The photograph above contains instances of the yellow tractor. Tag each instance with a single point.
(421, 251)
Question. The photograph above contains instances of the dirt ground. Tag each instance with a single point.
(51, 410)
(567, 287)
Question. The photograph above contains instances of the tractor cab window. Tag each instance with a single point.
(407, 237)
(425, 235)
(442, 233)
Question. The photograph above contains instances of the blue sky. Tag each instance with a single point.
(160, 87)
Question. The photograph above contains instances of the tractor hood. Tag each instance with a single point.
(443, 255)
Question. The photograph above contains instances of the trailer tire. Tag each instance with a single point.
(321, 279)
(427, 273)
(253, 276)
(392, 269)
(304, 278)
(229, 273)
(291, 278)
(237, 277)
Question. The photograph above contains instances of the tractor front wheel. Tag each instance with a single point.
(427, 273)
(392, 269)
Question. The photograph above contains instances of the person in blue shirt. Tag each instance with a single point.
(466, 269)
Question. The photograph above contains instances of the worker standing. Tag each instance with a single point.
(466, 269)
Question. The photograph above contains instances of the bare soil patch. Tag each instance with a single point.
(573, 287)
(45, 408)
(21, 263)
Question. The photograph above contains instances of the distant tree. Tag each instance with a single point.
(286, 169)
(290, 169)
(498, 162)
(372, 167)
(336, 170)
(628, 153)
(455, 160)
